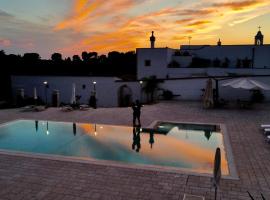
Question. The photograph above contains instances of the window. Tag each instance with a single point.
(147, 63)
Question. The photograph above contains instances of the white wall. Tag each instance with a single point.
(232, 52)
(160, 58)
(190, 89)
(189, 72)
(106, 88)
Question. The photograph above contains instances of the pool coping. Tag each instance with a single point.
(88, 160)
(233, 174)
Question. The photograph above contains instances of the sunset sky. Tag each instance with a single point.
(73, 26)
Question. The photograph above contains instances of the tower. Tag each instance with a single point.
(259, 37)
(152, 40)
(219, 42)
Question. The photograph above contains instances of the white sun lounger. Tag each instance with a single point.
(267, 130)
(263, 126)
(67, 108)
(268, 139)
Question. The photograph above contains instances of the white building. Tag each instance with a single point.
(171, 65)
(165, 63)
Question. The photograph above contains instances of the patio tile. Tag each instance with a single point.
(31, 178)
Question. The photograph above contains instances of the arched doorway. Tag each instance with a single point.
(124, 96)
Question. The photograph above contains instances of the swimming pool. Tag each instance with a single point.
(184, 146)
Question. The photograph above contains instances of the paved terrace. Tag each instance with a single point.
(33, 178)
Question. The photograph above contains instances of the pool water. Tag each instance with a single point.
(185, 146)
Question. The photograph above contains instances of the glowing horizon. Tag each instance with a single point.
(72, 26)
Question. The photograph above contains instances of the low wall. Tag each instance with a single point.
(107, 88)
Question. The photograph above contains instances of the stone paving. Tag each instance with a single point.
(34, 178)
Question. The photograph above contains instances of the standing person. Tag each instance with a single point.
(136, 107)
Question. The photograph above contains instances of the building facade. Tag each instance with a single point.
(173, 63)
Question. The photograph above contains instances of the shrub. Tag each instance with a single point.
(167, 95)
(257, 96)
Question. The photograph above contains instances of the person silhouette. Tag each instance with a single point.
(136, 107)
(74, 129)
(136, 139)
(151, 139)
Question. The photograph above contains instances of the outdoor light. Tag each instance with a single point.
(94, 82)
(47, 132)
(45, 91)
(141, 84)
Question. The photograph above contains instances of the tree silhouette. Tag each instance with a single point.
(56, 57)
(150, 85)
(31, 57)
(85, 57)
(76, 59)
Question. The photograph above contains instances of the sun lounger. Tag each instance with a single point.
(67, 108)
(28, 108)
(268, 139)
(84, 107)
(39, 108)
(263, 126)
(192, 197)
(266, 131)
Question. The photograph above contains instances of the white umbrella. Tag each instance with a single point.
(208, 101)
(35, 93)
(246, 83)
(73, 96)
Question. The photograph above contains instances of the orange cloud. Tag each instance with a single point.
(81, 13)
(240, 5)
(123, 24)
(183, 21)
(199, 23)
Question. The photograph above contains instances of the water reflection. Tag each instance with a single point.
(151, 138)
(95, 130)
(74, 129)
(47, 128)
(171, 148)
(36, 125)
(207, 134)
(136, 145)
